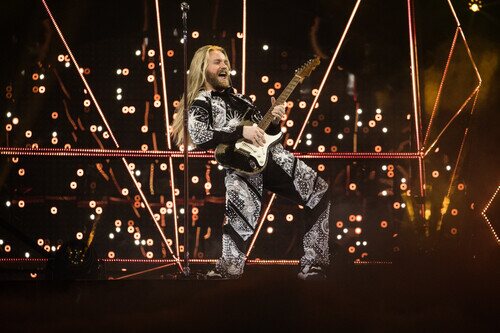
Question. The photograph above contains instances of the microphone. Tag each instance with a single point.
(184, 6)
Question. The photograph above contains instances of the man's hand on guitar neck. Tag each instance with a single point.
(278, 111)
(255, 134)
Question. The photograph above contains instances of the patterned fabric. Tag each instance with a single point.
(316, 251)
(214, 118)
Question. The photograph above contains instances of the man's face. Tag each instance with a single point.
(217, 72)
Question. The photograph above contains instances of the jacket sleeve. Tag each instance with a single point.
(201, 129)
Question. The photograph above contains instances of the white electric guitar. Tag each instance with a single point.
(247, 158)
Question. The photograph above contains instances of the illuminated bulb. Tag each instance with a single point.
(143, 242)
(15, 121)
(345, 231)
(1, 241)
(360, 111)
(358, 243)
(54, 134)
(270, 230)
(137, 173)
(181, 210)
(92, 217)
(67, 64)
(119, 90)
(384, 193)
(365, 243)
(7, 203)
(378, 111)
(137, 52)
(384, 129)
(339, 237)
(9, 114)
(403, 180)
(384, 167)
(111, 235)
(346, 117)
(233, 72)
(359, 123)
(448, 167)
(308, 142)
(137, 242)
(118, 97)
(265, 47)
(340, 136)
(308, 135)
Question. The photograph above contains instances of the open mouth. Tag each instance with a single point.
(223, 75)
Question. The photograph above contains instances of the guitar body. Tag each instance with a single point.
(244, 157)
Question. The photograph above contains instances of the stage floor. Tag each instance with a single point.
(405, 297)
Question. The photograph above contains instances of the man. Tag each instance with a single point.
(215, 115)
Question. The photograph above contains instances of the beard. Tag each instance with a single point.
(219, 83)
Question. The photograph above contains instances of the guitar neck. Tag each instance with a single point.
(268, 117)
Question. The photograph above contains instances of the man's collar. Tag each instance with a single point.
(225, 92)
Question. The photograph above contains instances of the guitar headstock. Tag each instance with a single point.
(307, 68)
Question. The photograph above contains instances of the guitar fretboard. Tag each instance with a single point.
(268, 117)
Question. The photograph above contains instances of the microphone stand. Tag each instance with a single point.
(186, 269)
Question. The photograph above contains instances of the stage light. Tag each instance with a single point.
(308, 135)
(21, 203)
(143, 242)
(270, 230)
(67, 64)
(360, 123)
(357, 231)
(384, 193)
(378, 111)
(339, 237)
(365, 243)
(289, 217)
(345, 231)
(138, 173)
(125, 191)
(475, 5)
(340, 136)
(118, 97)
(358, 243)
(308, 142)
(137, 242)
(73, 185)
(233, 72)
(9, 114)
(53, 210)
(448, 167)
(28, 134)
(137, 52)
(111, 235)
(181, 211)
(359, 111)
(7, 203)
(1, 241)
(384, 129)
(265, 47)
(270, 217)
(264, 79)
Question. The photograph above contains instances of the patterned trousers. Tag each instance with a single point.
(286, 176)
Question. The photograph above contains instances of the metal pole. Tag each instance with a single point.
(184, 9)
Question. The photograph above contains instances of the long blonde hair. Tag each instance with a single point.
(195, 82)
